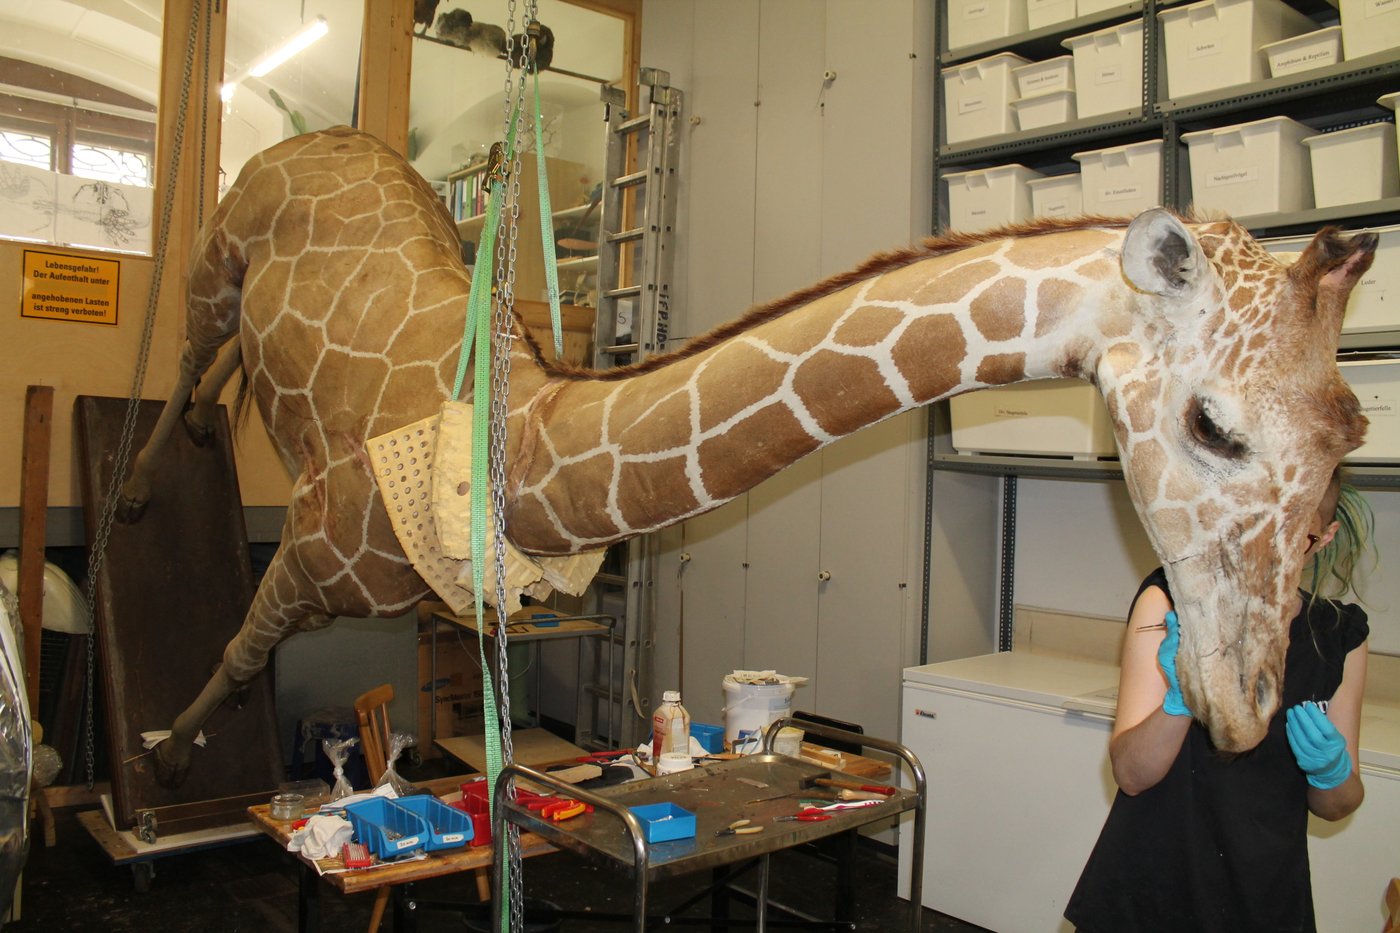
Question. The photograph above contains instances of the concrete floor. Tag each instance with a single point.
(252, 886)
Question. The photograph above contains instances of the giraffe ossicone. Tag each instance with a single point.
(335, 273)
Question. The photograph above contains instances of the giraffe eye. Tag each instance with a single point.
(1212, 436)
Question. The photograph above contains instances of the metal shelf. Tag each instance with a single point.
(1262, 225)
(1375, 69)
(1066, 137)
(1043, 42)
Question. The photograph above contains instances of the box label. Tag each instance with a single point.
(1232, 176)
(1301, 61)
(976, 10)
(1054, 208)
(1108, 74)
(1120, 193)
(1381, 7)
(971, 104)
(1050, 79)
(1205, 38)
(63, 287)
(1378, 406)
(1004, 412)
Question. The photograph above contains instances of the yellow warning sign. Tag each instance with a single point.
(61, 287)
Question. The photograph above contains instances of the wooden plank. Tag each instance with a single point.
(386, 61)
(531, 747)
(33, 509)
(76, 795)
(179, 575)
(111, 841)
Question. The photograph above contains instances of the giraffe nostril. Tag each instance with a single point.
(1263, 692)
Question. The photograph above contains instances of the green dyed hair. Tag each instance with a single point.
(1334, 568)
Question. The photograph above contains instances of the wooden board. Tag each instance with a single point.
(123, 846)
(531, 747)
(173, 591)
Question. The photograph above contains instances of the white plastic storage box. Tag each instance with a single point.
(1090, 7)
(1042, 77)
(1108, 69)
(1369, 26)
(1051, 417)
(1052, 108)
(1042, 13)
(973, 21)
(1056, 196)
(1350, 166)
(1259, 167)
(1375, 378)
(977, 97)
(1215, 43)
(1375, 301)
(1121, 181)
(1316, 49)
(989, 197)
(1392, 101)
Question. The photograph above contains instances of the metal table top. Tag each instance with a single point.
(718, 794)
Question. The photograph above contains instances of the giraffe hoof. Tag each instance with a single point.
(199, 432)
(130, 508)
(170, 773)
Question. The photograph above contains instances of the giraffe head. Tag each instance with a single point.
(1230, 414)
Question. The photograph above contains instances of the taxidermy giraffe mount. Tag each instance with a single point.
(333, 273)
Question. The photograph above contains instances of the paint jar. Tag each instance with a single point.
(672, 762)
(788, 742)
(287, 806)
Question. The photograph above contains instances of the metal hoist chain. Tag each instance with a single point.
(199, 19)
(506, 254)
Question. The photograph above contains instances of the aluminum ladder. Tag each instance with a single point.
(635, 249)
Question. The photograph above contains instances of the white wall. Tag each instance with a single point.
(1080, 548)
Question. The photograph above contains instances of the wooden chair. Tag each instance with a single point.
(372, 714)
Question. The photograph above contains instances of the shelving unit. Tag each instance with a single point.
(577, 273)
(1328, 98)
(1332, 97)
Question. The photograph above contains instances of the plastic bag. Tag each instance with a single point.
(398, 741)
(338, 751)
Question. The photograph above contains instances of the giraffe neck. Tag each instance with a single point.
(605, 459)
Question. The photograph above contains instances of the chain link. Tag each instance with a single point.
(506, 254)
(133, 405)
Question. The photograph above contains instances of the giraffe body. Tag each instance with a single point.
(337, 269)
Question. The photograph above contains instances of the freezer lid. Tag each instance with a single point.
(1018, 675)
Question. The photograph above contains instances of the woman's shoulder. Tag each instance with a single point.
(1343, 626)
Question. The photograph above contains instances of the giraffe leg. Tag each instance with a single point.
(136, 491)
(277, 612)
(199, 420)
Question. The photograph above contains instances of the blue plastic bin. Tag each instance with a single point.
(665, 821)
(387, 828)
(711, 738)
(447, 828)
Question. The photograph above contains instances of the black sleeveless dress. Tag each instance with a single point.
(1220, 844)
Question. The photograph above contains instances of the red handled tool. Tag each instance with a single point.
(809, 815)
(881, 789)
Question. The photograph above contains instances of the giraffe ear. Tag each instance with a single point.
(1331, 266)
(1161, 257)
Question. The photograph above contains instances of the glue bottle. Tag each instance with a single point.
(670, 727)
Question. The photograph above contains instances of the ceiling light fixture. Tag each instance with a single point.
(298, 43)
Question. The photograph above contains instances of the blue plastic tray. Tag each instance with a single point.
(447, 828)
(387, 828)
(664, 821)
(711, 738)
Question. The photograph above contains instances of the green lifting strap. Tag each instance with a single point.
(551, 265)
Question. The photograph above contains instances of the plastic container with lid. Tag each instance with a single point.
(670, 727)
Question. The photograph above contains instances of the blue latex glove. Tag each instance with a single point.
(1173, 704)
(1319, 747)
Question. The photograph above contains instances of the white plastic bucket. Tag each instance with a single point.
(749, 708)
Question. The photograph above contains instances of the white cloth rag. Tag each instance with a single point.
(323, 836)
(155, 737)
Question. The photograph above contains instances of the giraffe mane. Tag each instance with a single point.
(877, 264)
